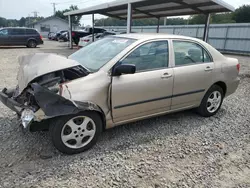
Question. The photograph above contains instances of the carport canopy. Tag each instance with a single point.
(136, 9)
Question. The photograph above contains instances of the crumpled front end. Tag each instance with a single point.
(38, 94)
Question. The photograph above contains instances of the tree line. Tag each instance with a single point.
(241, 15)
(24, 21)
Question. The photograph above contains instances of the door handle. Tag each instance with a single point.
(208, 68)
(166, 75)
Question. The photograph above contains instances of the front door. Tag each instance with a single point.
(193, 74)
(149, 90)
(4, 35)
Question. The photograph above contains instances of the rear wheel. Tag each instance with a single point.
(211, 102)
(32, 44)
(76, 133)
(76, 41)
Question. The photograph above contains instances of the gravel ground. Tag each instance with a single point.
(178, 150)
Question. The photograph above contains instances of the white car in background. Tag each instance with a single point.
(84, 41)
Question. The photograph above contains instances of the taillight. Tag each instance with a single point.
(41, 37)
(73, 34)
(86, 40)
(238, 67)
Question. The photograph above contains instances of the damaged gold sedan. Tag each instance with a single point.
(117, 80)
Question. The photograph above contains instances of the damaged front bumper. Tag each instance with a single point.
(10, 102)
(26, 115)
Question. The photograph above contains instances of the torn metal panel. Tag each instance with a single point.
(51, 103)
(93, 88)
(36, 65)
(88, 106)
(54, 105)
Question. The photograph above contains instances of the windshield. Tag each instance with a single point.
(97, 54)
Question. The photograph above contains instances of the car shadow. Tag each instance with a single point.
(16, 47)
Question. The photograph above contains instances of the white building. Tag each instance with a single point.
(52, 24)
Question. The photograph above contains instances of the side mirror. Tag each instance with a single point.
(124, 69)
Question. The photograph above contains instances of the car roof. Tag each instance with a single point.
(17, 28)
(149, 36)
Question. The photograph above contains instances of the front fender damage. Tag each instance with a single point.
(53, 105)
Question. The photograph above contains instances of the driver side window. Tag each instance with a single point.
(189, 53)
(150, 56)
(4, 32)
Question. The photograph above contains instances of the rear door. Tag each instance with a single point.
(149, 90)
(18, 36)
(32, 34)
(193, 73)
(4, 36)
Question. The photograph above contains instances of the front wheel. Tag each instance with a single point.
(76, 133)
(211, 102)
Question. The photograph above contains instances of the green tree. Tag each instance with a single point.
(197, 19)
(3, 22)
(22, 22)
(138, 22)
(215, 18)
(12, 23)
(75, 19)
(242, 14)
(222, 18)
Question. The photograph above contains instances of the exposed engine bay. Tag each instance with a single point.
(50, 81)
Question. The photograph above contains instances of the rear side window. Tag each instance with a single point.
(189, 53)
(31, 32)
(17, 31)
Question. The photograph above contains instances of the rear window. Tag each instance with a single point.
(31, 32)
(17, 32)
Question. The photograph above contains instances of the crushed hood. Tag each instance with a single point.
(39, 64)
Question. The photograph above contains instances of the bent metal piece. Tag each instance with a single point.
(54, 105)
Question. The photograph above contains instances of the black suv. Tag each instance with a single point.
(12, 36)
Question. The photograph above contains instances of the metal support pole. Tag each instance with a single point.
(225, 42)
(70, 33)
(129, 18)
(165, 20)
(93, 27)
(205, 36)
(158, 25)
(197, 32)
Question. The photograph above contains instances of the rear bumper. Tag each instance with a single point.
(10, 103)
(232, 86)
(40, 42)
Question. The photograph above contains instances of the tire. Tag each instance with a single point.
(65, 138)
(209, 105)
(76, 41)
(32, 44)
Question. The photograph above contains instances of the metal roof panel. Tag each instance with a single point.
(173, 8)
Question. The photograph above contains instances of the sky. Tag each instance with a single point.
(15, 9)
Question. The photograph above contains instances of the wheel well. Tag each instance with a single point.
(44, 125)
(103, 119)
(31, 40)
(223, 86)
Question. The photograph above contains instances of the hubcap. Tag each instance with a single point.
(78, 132)
(32, 44)
(214, 101)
